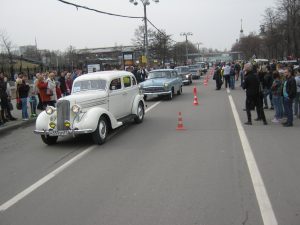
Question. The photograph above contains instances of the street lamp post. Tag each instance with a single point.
(145, 3)
(186, 34)
(198, 44)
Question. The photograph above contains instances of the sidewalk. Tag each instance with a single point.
(10, 125)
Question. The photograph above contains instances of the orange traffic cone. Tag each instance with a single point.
(205, 82)
(195, 90)
(195, 100)
(180, 123)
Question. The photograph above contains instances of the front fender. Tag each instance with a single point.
(137, 100)
(91, 117)
(43, 120)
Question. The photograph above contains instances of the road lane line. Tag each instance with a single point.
(45, 179)
(263, 200)
(51, 175)
(152, 106)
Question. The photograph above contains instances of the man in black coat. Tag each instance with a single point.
(218, 78)
(289, 93)
(251, 84)
(62, 82)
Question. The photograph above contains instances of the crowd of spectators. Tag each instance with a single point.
(274, 86)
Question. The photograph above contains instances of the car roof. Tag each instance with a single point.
(160, 70)
(181, 67)
(105, 75)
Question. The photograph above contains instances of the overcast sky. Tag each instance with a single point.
(215, 23)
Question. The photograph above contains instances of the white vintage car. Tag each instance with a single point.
(99, 102)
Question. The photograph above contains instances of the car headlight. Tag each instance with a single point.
(76, 108)
(67, 123)
(52, 125)
(50, 110)
(166, 85)
(187, 76)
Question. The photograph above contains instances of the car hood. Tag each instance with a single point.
(155, 82)
(82, 98)
(184, 73)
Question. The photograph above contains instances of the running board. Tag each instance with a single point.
(127, 119)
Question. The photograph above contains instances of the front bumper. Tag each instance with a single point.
(157, 93)
(62, 132)
(186, 81)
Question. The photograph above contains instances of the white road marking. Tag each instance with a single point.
(51, 175)
(45, 179)
(152, 106)
(228, 90)
(264, 202)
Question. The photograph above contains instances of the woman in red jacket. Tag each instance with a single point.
(42, 86)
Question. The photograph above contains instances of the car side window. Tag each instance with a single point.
(174, 74)
(115, 84)
(127, 81)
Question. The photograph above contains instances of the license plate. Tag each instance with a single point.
(58, 132)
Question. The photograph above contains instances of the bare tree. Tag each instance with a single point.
(139, 37)
(7, 45)
(290, 9)
(161, 45)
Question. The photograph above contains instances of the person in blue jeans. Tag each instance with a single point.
(23, 91)
(289, 93)
(297, 98)
(276, 89)
(232, 78)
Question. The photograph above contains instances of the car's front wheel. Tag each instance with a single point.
(140, 113)
(100, 134)
(49, 140)
(170, 96)
(179, 92)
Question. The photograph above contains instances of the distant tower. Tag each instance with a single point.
(241, 31)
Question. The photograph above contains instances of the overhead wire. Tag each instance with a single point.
(113, 14)
(98, 11)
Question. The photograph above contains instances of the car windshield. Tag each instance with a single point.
(194, 67)
(159, 74)
(182, 69)
(87, 85)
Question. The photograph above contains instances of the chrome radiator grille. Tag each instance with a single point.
(154, 89)
(63, 114)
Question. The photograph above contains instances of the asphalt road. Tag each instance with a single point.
(151, 174)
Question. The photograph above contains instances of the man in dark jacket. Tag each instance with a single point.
(62, 83)
(289, 93)
(218, 78)
(251, 84)
(5, 100)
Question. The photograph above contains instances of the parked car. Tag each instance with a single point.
(203, 67)
(196, 71)
(99, 102)
(184, 72)
(164, 82)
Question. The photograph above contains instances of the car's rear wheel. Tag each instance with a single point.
(100, 134)
(140, 113)
(49, 140)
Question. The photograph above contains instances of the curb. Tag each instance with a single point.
(18, 124)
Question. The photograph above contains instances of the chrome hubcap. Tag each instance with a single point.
(102, 129)
(140, 112)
